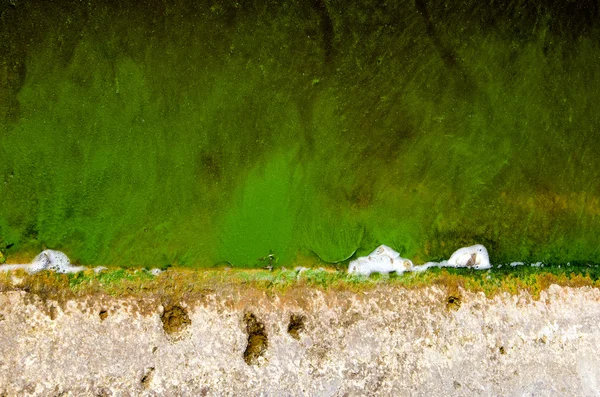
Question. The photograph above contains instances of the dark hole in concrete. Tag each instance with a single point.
(453, 302)
(296, 325)
(103, 392)
(257, 339)
(174, 319)
(147, 378)
(502, 350)
(52, 312)
(103, 314)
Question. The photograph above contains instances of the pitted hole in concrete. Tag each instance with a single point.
(147, 378)
(502, 350)
(103, 392)
(296, 325)
(257, 339)
(103, 314)
(453, 302)
(52, 312)
(175, 319)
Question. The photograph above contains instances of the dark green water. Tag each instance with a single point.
(189, 133)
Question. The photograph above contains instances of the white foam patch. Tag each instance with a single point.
(382, 260)
(385, 260)
(55, 261)
(536, 264)
(425, 266)
(8, 268)
(475, 256)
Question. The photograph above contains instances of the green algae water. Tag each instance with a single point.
(196, 133)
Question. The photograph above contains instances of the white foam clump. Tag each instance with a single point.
(475, 256)
(55, 261)
(382, 260)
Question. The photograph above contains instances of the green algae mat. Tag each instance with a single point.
(255, 133)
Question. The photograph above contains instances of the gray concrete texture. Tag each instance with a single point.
(388, 341)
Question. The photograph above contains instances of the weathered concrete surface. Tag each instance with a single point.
(388, 341)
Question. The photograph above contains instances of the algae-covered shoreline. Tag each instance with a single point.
(181, 284)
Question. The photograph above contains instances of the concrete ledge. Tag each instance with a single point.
(386, 341)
